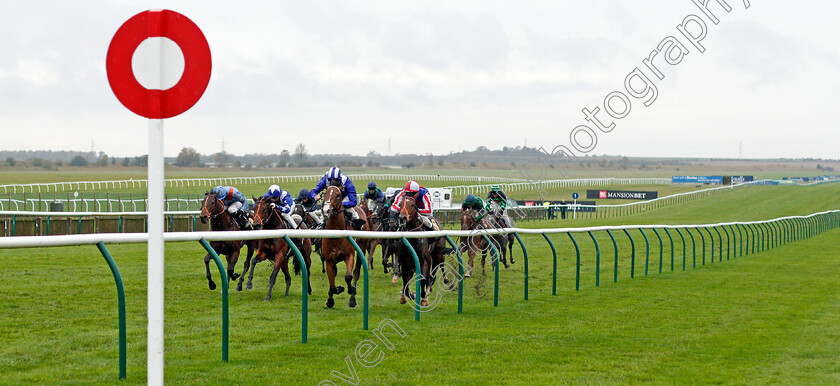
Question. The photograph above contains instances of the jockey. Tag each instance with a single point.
(473, 203)
(309, 205)
(333, 177)
(282, 201)
(235, 203)
(498, 196)
(373, 193)
(421, 197)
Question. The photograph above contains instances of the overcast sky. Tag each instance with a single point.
(437, 76)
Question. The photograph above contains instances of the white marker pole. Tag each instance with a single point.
(574, 214)
(155, 256)
(156, 246)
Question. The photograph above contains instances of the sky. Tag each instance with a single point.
(441, 76)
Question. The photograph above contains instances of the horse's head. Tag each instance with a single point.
(467, 219)
(332, 202)
(211, 207)
(264, 210)
(408, 212)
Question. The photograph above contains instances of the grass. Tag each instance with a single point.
(771, 317)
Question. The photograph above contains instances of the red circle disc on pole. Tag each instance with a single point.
(159, 104)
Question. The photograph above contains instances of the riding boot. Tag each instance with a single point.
(242, 220)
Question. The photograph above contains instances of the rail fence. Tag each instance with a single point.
(128, 216)
(71, 186)
(752, 237)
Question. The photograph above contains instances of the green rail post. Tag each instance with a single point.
(80, 225)
(14, 219)
(48, 223)
(660, 249)
(711, 246)
(225, 312)
(418, 286)
(460, 272)
(577, 264)
(193, 227)
(554, 269)
(304, 297)
(720, 245)
(366, 307)
(672, 248)
(778, 230)
(647, 250)
(754, 234)
(703, 243)
(615, 258)
(525, 256)
(120, 225)
(597, 260)
(761, 231)
(632, 254)
(693, 248)
(120, 303)
(728, 243)
(496, 268)
(683, 243)
(740, 241)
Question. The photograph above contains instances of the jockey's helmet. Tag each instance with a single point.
(411, 188)
(303, 193)
(372, 185)
(274, 191)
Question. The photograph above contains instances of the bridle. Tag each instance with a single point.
(404, 210)
(204, 208)
(327, 210)
(273, 213)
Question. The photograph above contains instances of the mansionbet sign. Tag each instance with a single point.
(621, 194)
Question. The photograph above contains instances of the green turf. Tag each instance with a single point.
(770, 317)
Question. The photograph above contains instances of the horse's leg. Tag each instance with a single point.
(332, 290)
(284, 265)
(405, 292)
(273, 278)
(348, 278)
(232, 259)
(258, 258)
(307, 258)
(209, 277)
(247, 266)
(510, 248)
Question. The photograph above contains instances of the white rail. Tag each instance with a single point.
(133, 238)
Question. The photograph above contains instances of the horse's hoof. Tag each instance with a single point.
(249, 286)
(236, 276)
(267, 298)
(424, 302)
(239, 288)
(394, 279)
(351, 290)
(507, 266)
(511, 261)
(330, 303)
(339, 289)
(402, 299)
(212, 285)
(351, 303)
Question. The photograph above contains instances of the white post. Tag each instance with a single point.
(155, 254)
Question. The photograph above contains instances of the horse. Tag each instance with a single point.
(220, 220)
(335, 250)
(301, 211)
(376, 214)
(267, 216)
(430, 251)
(502, 242)
(470, 243)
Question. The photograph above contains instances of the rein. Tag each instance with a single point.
(273, 213)
(211, 215)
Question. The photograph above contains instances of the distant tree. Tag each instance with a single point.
(125, 162)
(264, 163)
(142, 160)
(188, 157)
(472, 164)
(76, 161)
(373, 153)
(59, 163)
(222, 159)
(237, 164)
(102, 160)
(113, 161)
(431, 161)
(440, 162)
(300, 154)
(819, 167)
(10, 161)
(408, 165)
(285, 158)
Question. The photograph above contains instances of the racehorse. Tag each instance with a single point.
(220, 220)
(334, 250)
(301, 211)
(430, 252)
(502, 242)
(470, 244)
(267, 216)
(377, 214)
